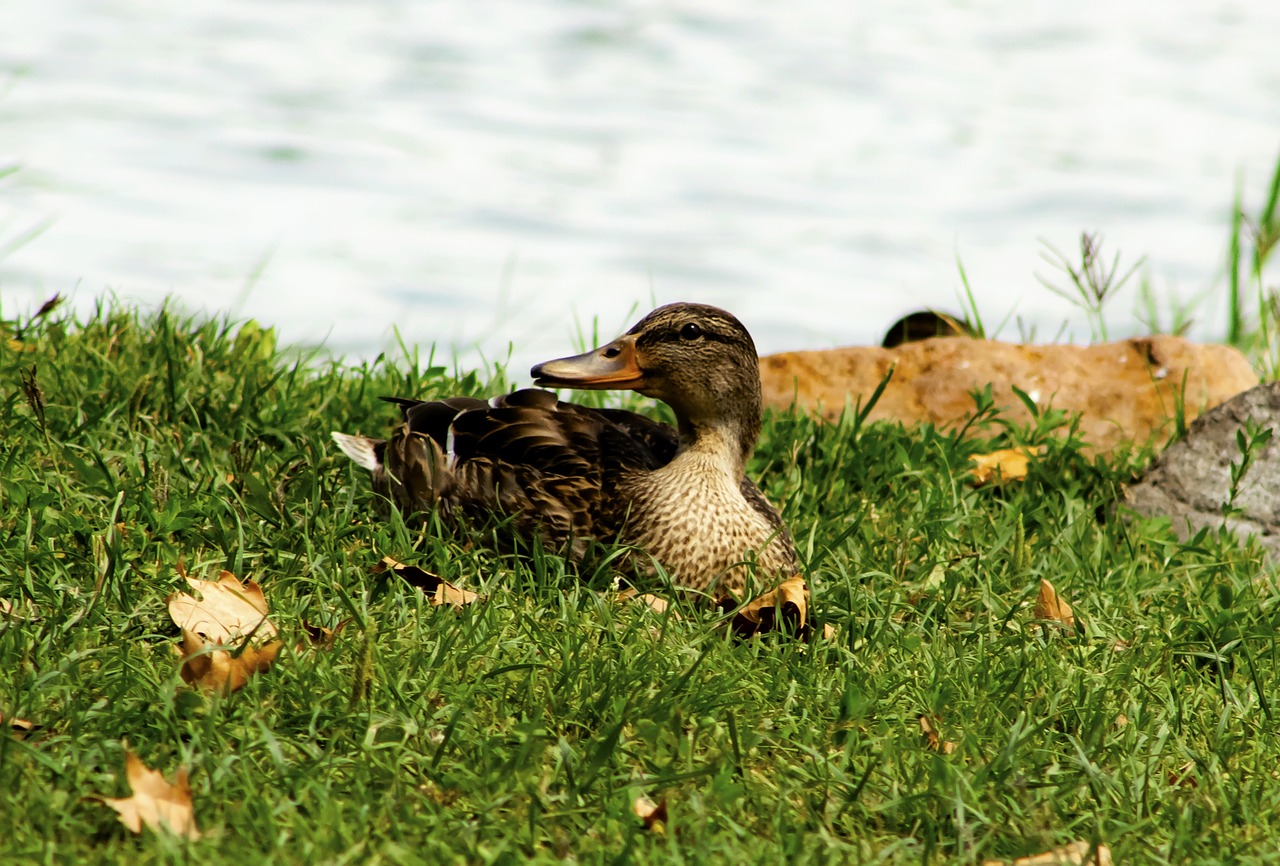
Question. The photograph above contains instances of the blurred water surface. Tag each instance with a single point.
(504, 171)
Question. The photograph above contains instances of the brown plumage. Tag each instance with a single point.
(573, 475)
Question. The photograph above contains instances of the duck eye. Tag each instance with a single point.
(690, 332)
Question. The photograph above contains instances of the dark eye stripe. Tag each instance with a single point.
(672, 335)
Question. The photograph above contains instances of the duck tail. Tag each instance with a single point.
(363, 450)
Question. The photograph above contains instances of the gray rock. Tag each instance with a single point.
(1192, 479)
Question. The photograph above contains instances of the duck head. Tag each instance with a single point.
(696, 358)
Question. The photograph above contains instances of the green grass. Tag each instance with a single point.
(522, 728)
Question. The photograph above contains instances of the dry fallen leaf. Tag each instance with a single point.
(155, 803)
(16, 611)
(1050, 606)
(932, 737)
(321, 637)
(1079, 853)
(226, 670)
(435, 587)
(20, 728)
(228, 614)
(654, 815)
(1184, 776)
(656, 602)
(1008, 464)
(786, 606)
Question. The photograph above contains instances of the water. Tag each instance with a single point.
(508, 171)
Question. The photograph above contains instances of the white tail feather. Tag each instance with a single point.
(359, 449)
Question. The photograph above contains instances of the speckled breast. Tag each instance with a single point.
(705, 533)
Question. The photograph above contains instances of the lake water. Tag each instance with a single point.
(499, 172)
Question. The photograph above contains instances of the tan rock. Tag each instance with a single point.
(1126, 391)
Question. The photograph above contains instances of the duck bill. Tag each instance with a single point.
(611, 367)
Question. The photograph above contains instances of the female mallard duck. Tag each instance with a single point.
(573, 475)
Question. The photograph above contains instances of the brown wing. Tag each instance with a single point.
(554, 469)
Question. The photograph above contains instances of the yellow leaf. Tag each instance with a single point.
(155, 803)
(436, 588)
(1008, 464)
(1079, 853)
(1050, 606)
(226, 612)
(784, 606)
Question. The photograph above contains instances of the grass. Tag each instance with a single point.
(522, 729)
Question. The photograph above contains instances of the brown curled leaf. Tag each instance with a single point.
(19, 728)
(320, 637)
(435, 587)
(785, 607)
(223, 670)
(1053, 608)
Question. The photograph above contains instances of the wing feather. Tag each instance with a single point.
(542, 465)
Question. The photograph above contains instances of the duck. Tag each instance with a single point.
(575, 476)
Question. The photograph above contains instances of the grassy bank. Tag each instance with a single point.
(524, 727)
